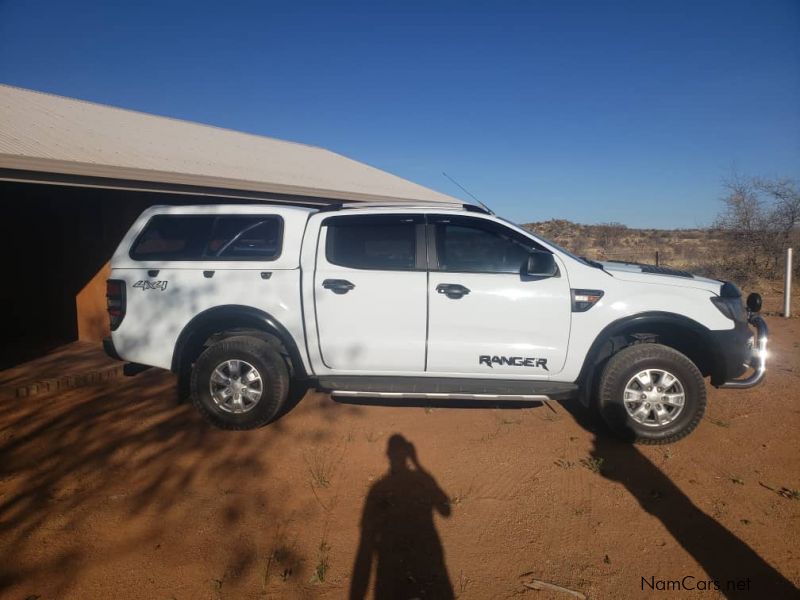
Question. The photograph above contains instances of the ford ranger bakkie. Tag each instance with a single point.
(419, 302)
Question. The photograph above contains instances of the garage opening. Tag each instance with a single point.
(56, 244)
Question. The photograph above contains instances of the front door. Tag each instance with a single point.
(485, 316)
(370, 292)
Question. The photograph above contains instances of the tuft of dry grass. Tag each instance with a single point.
(595, 465)
(320, 465)
(564, 463)
(323, 563)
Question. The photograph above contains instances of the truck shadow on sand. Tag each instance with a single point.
(723, 556)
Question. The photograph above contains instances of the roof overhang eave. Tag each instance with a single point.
(59, 172)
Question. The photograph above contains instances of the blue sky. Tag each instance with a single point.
(591, 111)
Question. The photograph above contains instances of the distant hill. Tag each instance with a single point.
(700, 251)
(614, 241)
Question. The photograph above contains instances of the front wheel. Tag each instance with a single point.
(239, 383)
(651, 394)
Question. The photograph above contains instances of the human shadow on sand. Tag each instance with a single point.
(398, 534)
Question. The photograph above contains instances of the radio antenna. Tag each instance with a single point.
(470, 194)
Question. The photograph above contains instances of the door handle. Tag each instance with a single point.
(454, 291)
(338, 286)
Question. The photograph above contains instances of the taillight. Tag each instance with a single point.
(115, 300)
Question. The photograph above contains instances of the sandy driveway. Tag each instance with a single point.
(114, 491)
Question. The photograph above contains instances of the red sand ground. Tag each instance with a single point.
(115, 491)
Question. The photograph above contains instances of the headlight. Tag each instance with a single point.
(730, 307)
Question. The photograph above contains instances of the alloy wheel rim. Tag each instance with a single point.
(654, 397)
(236, 386)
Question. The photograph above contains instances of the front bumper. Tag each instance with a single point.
(757, 359)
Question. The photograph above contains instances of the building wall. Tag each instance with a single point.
(90, 307)
(55, 244)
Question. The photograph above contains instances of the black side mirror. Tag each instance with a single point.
(754, 302)
(541, 264)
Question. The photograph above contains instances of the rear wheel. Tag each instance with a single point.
(651, 394)
(239, 383)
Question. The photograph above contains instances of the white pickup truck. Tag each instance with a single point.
(418, 302)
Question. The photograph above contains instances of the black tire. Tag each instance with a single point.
(268, 363)
(623, 367)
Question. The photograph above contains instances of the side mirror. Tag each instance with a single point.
(541, 264)
(754, 302)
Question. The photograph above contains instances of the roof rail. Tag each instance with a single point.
(476, 208)
(330, 207)
(401, 205)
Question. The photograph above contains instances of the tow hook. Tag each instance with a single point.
(758, 361)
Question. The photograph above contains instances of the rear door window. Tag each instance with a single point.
(209, 237)
(376, 242)
(246, 238)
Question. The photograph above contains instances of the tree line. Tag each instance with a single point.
(759, 220)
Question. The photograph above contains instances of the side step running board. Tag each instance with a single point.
(455, 388)
(440, 396)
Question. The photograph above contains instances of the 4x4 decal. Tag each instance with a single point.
(512, 361)
(151, 285)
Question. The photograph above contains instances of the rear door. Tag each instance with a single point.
(370, 293)
(486, 316)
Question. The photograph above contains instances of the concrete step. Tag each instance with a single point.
(68, 367)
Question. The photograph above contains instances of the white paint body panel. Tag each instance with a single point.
(625, 299)
(154, 318)
(392, 322)
(377, 326)
(501, 316)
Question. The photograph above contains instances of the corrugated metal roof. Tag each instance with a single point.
(45, 133)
